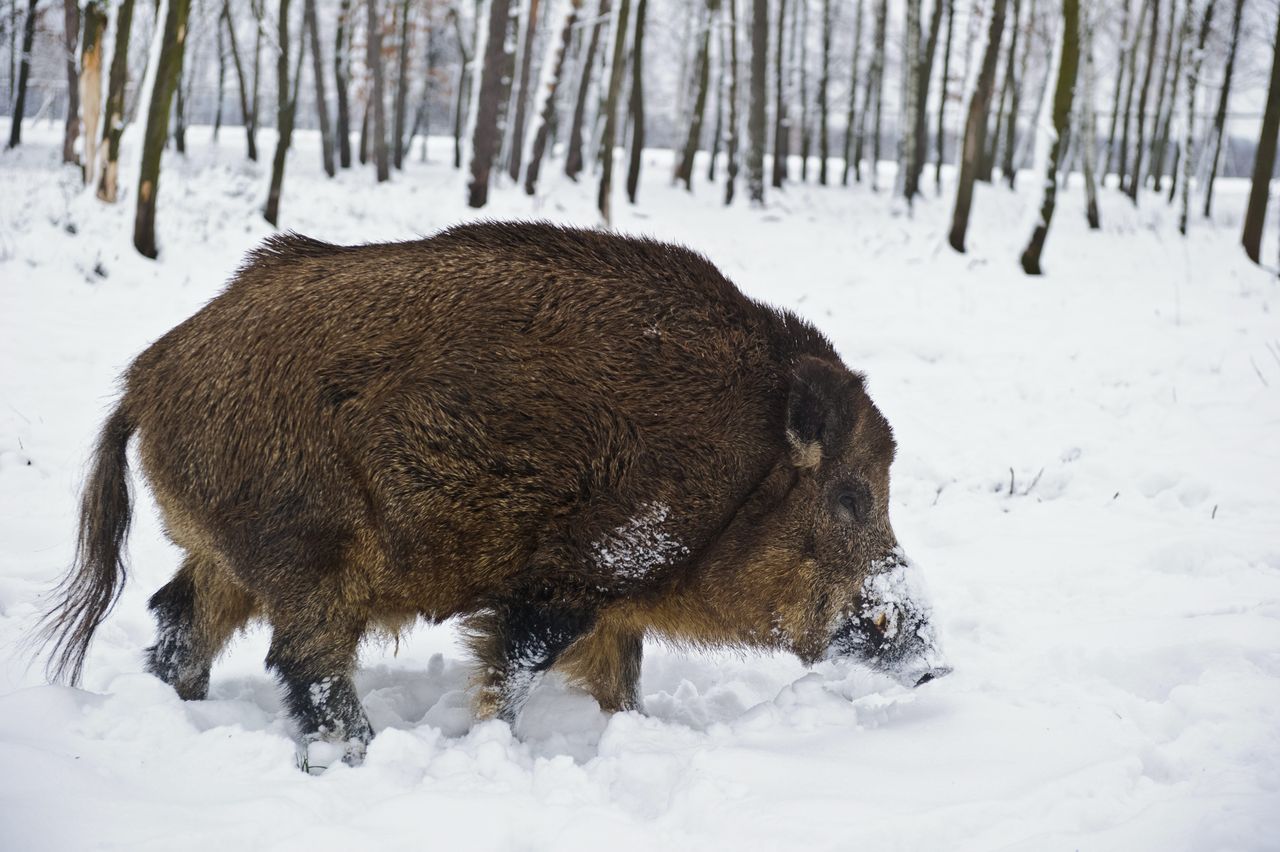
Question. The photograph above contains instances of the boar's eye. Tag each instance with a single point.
(856, 500)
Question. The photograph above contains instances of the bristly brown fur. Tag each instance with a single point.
(574, 438)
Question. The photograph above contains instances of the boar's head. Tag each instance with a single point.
(852, 592)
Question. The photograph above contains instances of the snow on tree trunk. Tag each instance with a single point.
(548, 87)
(975, 129)
(113, 123)
(515, 155)
(1193, 81)
(1068, 59)
(24, 75)
(1220, 117)
(171, 42)
(942, 97)
(1166, 123)
(1121, 58)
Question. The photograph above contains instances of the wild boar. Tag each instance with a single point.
(568, 439)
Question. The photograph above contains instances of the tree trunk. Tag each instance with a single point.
(1009, 94)
(243, 89)
(401, 111)
(24, 74)
(378, 129)
(850, 115)
(322, 103)
(731, 144)
(95, 26)
(975, 129)
(485, 140)
(1163, 135)
(113, 124)
(1161, 93)
(1135, 178)
(1220, 116)
(616, 73)
(781, 121)
(1120, 78)
(1122, 170)
(515, 161)
(1063, 91)
(284, 116)
(1193, 81)
(873, 95)
(421, 115)
(907, 173)
(757, 102)
(1089, 123)
(942, 99)
(462, 85)
(824, 138)
(800, 33)
(684, 173)
(258, 7)
(168, 73)
(573, 160)
(341, 76)
(717, 133)
(922, 94)
(1264, 162)
(637, 105)
(70, 39)
(547, 118)
(221, 41)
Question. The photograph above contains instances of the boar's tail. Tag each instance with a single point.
(92, 586)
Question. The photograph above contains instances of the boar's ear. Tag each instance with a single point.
(821, 410)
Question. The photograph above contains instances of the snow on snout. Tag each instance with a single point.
(634, 549)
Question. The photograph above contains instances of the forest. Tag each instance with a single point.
(1138, 98)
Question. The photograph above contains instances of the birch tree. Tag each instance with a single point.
(1220, 115)
(515, 159)
(1193, 81)
(1135, 178)
(942, 95)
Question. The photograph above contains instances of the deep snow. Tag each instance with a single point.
(1087, 476)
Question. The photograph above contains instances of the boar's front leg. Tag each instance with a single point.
(606, 662)
(515, 644)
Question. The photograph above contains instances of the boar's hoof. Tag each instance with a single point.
(932, 674)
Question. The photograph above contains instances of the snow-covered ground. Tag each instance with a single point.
(1089, 473)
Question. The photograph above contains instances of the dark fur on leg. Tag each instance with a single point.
(175, 658)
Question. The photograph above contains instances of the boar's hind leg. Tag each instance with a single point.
(196, 613)
(515, 644)
(606, 662)
(313, 653)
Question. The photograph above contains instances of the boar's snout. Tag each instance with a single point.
(890, 626)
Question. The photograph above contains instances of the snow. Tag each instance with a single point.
(635, 549)
(1087, 476)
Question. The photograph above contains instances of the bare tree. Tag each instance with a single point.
(322, 103)
(461, 86)
(286, 108)
(636, 110)
(717, 133)
(1161, 93)
(1063, 92)
(1264, 162)
(168, 72)
(975, 128)
(1126, 119)
(1013, 81)
(573, 160)
(1121, 74)
(1175, 81)
(702, 74)
(872, 99)
(515, 160)
(485, 139)
(341, 78)
(400, 114)
(547, 116)
(1135, 178)
(113, 123)
(1088, 120)
(609, 136)
(921, 130)
(942, 96)
(24, 74)
(756, 102)
(781, 118)
(824, 82)
(246, 110)
(731, 144)
(1193, 80)
(373, 40)
(850, 116)
(907, 174)
(95, 27)
(800, 33)
(70, 38)
(1220, 116)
